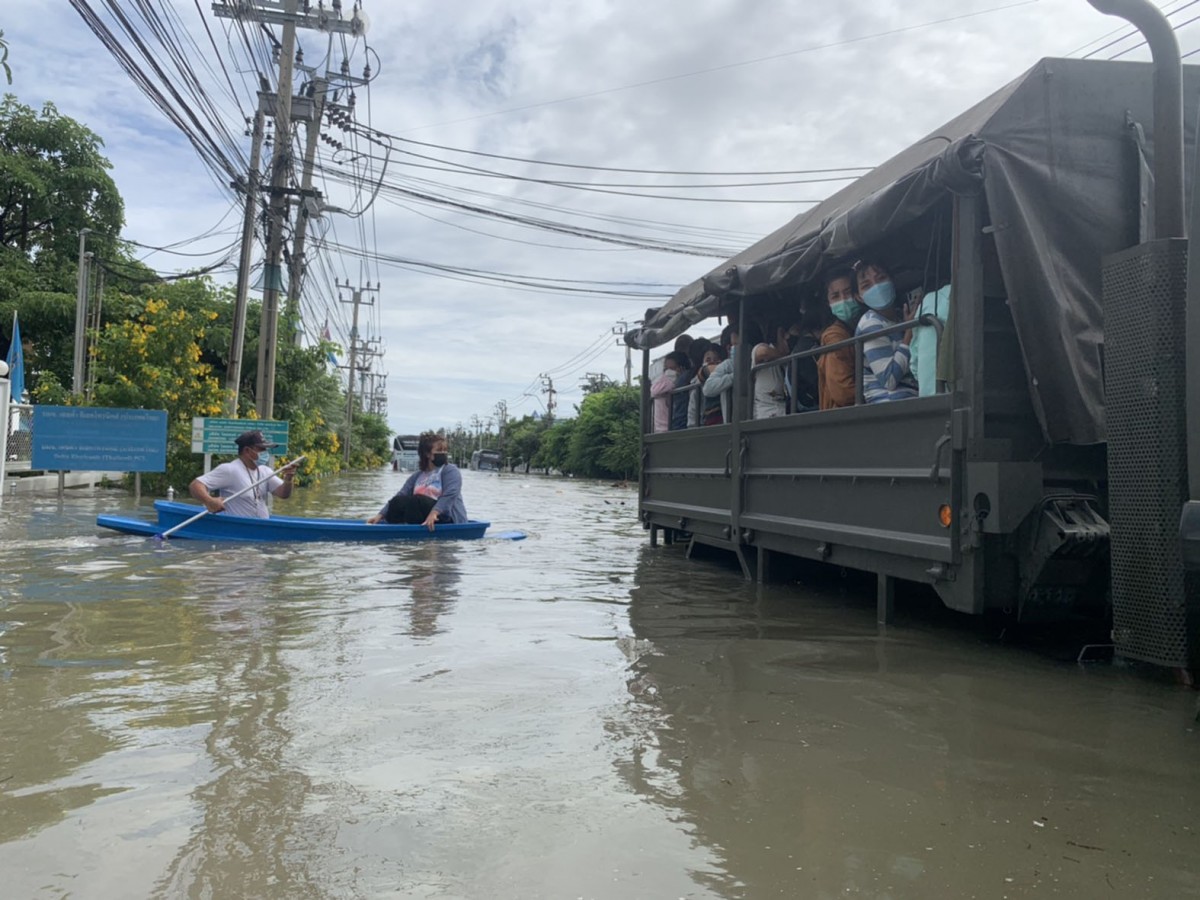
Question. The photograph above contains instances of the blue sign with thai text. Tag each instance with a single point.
(82, 438)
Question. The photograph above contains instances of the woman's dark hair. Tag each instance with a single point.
(815, 317)
(834, 274)
(867, 263)
(679, 358)
(697, 350)
(425, 449)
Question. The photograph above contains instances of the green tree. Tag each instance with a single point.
(308, 397)
(152, 361)
(600, 444)
(372, 441)
(623, 454)
(523, 437)
(54, 182)
(460, 443)
(555, 447)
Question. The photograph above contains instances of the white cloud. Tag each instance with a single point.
(485, 75)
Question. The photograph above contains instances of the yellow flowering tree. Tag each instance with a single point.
(152, 360)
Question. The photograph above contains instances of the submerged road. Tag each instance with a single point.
(574, 715)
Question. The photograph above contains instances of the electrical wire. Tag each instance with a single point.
(1175, 28)
(1128, 34)
(591, 168)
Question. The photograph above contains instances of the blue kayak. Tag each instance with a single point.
(223, 527)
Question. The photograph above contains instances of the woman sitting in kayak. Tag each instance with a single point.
(431, 494)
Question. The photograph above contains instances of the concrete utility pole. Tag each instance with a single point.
(94, 329)
(286, 13)
(357, 299)
(312, 205)
(548, 388)
(619, 330)
(237, 337)
(268, 330)
(501, 420)
(368, 352)
(81, 303)
(379, 390)
(296, 269)
(594, 381)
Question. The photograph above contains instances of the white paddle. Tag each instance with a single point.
(200, 515)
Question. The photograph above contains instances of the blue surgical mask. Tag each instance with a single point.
(844, 310)
(880, 295)
(732, 348)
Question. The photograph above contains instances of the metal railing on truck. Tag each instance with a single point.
(792, 361)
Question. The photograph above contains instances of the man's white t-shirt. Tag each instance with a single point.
(230, 477)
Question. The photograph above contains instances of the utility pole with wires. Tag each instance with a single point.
(356, 297)
(237, 335)
(501, 420)
(288, 14)
(368, 352)
(311, 205)
(548, 389)
(593, 382)
(318, 88)
(619, 330)
(94, 330)
(81, 304)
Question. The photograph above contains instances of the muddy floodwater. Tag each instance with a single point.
(575, 715)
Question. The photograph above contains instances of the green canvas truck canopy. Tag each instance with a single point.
(1064, 168)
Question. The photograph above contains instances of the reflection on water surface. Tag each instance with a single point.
(571, 715)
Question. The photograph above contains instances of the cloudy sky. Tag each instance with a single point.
(704, 86)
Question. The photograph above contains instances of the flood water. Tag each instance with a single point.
(575, 715)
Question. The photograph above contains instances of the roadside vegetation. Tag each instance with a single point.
(601, 441)
(153, 343)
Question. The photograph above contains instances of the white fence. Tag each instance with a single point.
(20, 437)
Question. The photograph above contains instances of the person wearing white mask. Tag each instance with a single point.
(886, 359)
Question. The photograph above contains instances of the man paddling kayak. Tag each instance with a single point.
(240, 473)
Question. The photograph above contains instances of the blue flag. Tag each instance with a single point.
(16, 363)
(325, 336)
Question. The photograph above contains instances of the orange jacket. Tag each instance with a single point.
(835, 370)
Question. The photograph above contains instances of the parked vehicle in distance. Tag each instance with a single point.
(404, 456)
(487, 461)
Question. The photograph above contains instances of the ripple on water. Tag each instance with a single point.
(470, 719)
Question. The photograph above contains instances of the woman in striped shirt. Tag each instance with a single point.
(886, 358)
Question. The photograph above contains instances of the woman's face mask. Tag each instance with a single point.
(880, 295)
(844, 310)
(439, 459)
